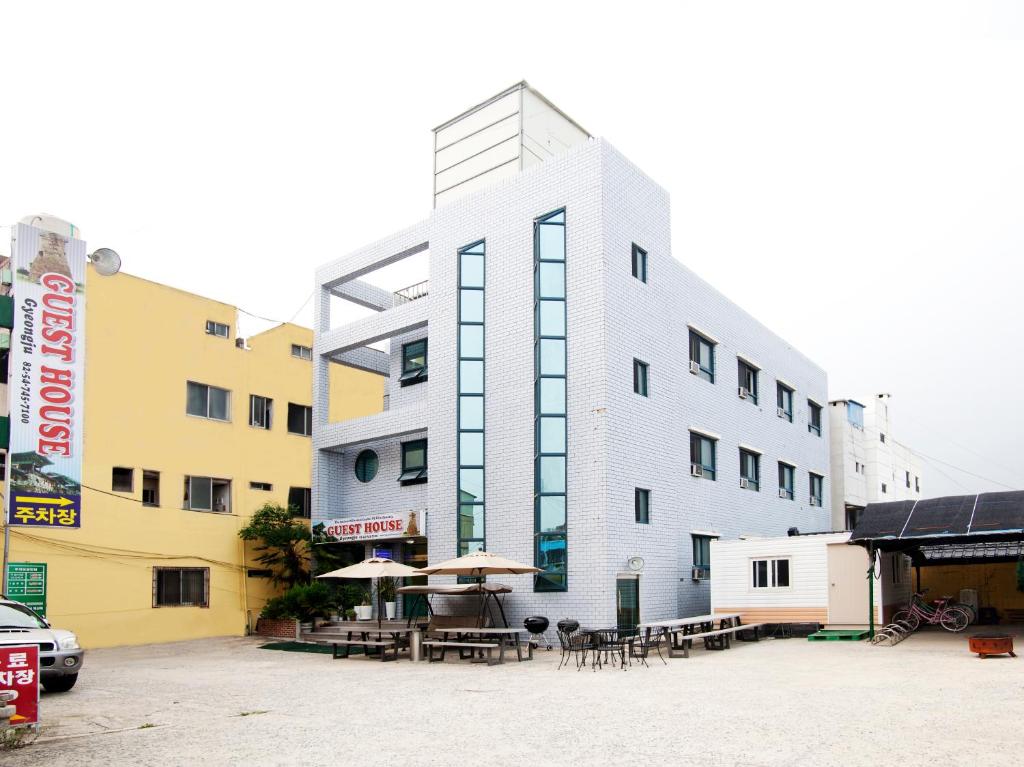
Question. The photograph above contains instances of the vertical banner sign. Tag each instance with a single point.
(19, 671)
(26, 583)
(47, 387)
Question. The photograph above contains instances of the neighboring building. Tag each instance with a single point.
(816, 578)
(582, 400)
(188, 430)
(868, 465)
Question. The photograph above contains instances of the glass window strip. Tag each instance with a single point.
(550, 425)
(471, 519)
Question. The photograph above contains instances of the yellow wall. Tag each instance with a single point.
(996, 584)
(144, 342)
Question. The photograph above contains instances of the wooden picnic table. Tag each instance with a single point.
(465, 636)
(680, 632)
(340, 634)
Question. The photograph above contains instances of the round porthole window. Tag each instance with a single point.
(366, 466)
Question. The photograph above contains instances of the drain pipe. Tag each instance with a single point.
(871, 591)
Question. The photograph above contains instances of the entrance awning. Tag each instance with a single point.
(952, 519)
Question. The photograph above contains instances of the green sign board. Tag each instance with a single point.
(26, 583)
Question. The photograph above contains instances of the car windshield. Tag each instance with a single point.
(19, 617)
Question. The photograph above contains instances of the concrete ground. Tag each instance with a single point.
(777, 702)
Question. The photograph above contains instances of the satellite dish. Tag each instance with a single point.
(636, 564)
(106, 261)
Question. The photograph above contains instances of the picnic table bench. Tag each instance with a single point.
(680, 633)
(476, 638)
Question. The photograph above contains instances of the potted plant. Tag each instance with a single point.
(387, 590)
(364, 610)
(350, 614)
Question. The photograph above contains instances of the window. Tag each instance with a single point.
(770, 573)
(150, 488)
(414, 362)
(254, 572)
(302, 352)
(917, 484)
(550, 430)
(208, 494)
(852, 517)
(642, 505)
(750, 470)
(471, 509)
(263, 486)
(207, 401)
(784, 399)
(884, 489)
(300, 419)
(299, 502)
(260, 411)
(786, 474)
(881, 437)
(218, 329)
(702, 357)
(748, 381)
(122, 480)
(855, 414)
(813, 417)
(908, 478)
(366, 465)
(181, 587)
(702, 456)
(701, 556)
(639, 263)
(640, 377)
(898, 569)
(414, 462)
(816, 483)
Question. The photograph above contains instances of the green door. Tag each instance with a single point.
(627, 602)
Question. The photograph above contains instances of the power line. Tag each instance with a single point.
(965, 447)
(965, 471)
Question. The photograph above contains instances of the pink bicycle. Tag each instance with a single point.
(951, 617)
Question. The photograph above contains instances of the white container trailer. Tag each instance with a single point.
(816, 578)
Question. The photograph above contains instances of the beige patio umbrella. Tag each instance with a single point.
(374, 567)
(479, 564)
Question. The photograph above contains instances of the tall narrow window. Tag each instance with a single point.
(414, 462)
(816, 482)
(642, 505)
(299, 501)
(702, 456)
(747, 381)
(784, 399)
(813, 417)
(470, 445)
(640, 377)
(701, 557)
(639, 263)
(750, 470)
(550, 431)
(702, 357)
(786, 479)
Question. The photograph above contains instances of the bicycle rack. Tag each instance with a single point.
(893, 633)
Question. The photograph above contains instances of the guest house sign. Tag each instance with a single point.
(403, 524)
(47, 386)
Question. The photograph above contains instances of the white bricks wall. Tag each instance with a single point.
(617, 440)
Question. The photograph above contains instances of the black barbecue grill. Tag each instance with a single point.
(537, 625)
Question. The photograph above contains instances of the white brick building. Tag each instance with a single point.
(630, 314)
(867, 464)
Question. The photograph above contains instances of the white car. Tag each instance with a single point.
(60, 655)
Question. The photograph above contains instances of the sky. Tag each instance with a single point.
(850, 173)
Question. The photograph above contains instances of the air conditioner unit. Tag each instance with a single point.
(699, 573)
(744, 483)
(815, 501)
(696, 470)
(782, 412)
(744, 393)
(695, 367)
(783, 493)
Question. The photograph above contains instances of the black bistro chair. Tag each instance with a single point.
(575, 644)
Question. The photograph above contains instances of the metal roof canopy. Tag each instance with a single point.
(944, 522)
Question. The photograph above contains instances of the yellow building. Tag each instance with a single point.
(180, 449)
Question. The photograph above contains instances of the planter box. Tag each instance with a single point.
(280, 628)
